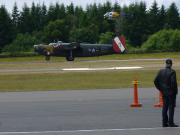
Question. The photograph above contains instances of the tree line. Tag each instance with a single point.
(20, 29)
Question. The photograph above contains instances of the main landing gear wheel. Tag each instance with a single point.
(70, 56)
(47, 57)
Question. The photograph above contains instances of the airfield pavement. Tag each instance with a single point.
(82, 112)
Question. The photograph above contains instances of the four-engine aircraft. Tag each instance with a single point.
(74, 49)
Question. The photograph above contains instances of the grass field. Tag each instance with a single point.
(17, 74)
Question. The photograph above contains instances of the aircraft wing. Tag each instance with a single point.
(69, 46)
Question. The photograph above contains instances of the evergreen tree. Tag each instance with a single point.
(33, 17)
(162, 17)
(117, 7)
(56, 12)
(70, 9)
(15, 15)
(43, 16)
(25, 24)
(6, 28)
(15, 19)
(61, 11)
(79, 14)
(71, 20)
(51, 13)
(36, 18)
(154, 18)
(173, 20)
(135, 23)
(107, 6)
(104, 24)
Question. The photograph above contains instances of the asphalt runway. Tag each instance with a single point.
(84, 112)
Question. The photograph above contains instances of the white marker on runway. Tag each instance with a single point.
(94, 69)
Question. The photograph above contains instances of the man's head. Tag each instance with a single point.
(168, 63)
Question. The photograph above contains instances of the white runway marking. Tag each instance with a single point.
(126, 60)
(91, 69)
(67, 69)
(93, 130)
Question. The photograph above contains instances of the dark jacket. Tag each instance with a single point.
(166, 82)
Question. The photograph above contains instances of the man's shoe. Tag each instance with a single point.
(165, 125)
(173, 125)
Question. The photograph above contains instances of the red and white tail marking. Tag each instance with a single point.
(119, 44)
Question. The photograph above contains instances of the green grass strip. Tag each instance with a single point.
(73, 81)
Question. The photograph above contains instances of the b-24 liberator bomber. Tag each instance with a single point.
(75, 49)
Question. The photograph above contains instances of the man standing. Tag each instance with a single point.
(166, 83)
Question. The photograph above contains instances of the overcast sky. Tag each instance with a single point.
(9, 3)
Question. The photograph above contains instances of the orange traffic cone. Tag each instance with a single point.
(160, 104)
(136, 102)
